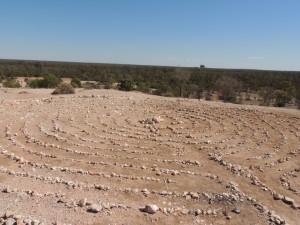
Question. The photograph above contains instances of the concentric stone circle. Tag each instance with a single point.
(198, 161)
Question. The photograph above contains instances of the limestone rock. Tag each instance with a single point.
(157, 119)
(8, 214)
(35, 222)
(82, 202)
(288, 200)
(236, 210)
(7, 190)
(10, 221)
(95, 208)
(151, 209)
(277, 196)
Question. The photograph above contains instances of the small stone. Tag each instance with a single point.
(228, 217)
(288, 200)
(7, 190)
(236, 210)
(27, 221)
(165, 211)
(264, 209)
(95, 208)
(195, 195)
(8, 214)
(184, 212)
(10, 221)
(82, 202)
(35, 222)
(188, 197)
(21, 160)
(185, 194)
(277, 196)
(151, 209)
(135, 190)
(198, 212)
(277, 221)
(157, 119)
(295, 206)
(106, 205)
(61, 200)
(20, 222)
(214, 212)
(163, 193)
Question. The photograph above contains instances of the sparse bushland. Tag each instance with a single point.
(267, 95)
(126, 85)
(64, 88)
(35, 83)
(1, 74)
(90, 85)
(280, 96)
(298, 98)
(11, 83)
(144, 87)
(162, 88)
(48, 81)
(228, 88)
(76, 82)
(171, 81)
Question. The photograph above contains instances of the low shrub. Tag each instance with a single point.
(48, 81)
(64, 88)
(76, 83)
(11, 83)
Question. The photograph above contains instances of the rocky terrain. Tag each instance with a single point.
(110, 157)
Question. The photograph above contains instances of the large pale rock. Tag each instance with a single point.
(151, 209)
(95, 208)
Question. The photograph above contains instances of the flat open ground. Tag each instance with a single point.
(196, 160)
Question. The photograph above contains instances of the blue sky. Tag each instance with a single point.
(255, 34)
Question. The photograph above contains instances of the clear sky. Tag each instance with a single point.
(255, 34)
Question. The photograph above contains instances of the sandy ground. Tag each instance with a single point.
(199, 162)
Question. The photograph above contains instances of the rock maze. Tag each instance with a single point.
(100, 156)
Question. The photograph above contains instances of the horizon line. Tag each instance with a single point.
(146, 65)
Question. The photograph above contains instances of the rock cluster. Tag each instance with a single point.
(9, 218)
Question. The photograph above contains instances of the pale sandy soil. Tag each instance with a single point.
(201, 157)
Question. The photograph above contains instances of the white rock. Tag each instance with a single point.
(151, 209)
(10, 221)
(157, 119)
(95, 208)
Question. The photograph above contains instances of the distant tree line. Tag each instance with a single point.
(273, 87)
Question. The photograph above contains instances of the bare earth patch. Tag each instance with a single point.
(101, 156)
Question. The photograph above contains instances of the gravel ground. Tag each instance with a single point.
(111, 157)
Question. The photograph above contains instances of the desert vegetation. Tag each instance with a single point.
(48, 81)
(272, 88)
(63, 88)
(11, 82)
